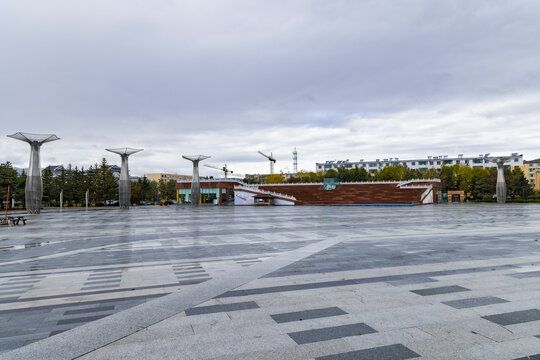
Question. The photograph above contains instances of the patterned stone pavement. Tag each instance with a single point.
(436, 282)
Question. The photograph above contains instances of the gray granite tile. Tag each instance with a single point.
(307, 314)
(440, 290)
(330, 333)
(222, 308)
(89, 310)
(474, 302)
(389, 352)
(514, 317)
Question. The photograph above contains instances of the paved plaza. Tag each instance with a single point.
(304, 282)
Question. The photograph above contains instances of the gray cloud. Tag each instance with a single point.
(339, 79)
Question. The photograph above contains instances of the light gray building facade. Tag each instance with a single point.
(430, 162)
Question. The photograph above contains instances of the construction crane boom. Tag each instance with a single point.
(225, 170)
(272, 160)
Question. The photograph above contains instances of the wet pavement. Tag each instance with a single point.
(67, 269)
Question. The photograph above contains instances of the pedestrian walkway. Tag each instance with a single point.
(433, 282)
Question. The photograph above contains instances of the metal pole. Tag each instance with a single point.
(124, 184)
(7, 201)
(33, 192)
(87, 195)
(61, 199)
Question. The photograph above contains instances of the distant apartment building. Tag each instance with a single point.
(167, 177)
(531, 170)
(431, 162)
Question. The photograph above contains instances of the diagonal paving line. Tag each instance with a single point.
(94, 335)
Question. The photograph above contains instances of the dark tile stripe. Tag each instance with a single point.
(89, 310)
(514, 317)
(189, 272)
(193, 276)
(92, 302)
(106, 281)
(110, 270)
(525, 275)
(11, 287)
(119, 276)
(57, 332)
(474, 302)
(80, 320)
(326, 284)
(530, 357)
(307, 314)
(104, 286)
(12, 292)
(440, 290)
(23, 282)
(330, 333)
(8, 300)
(222, 308)
(411, 281)
(389, 352)
(193, 281)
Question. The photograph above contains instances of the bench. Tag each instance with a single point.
(16, 219)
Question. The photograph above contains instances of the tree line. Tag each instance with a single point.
(99, 180)
(477, 183)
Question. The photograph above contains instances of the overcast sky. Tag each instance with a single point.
(337, 79)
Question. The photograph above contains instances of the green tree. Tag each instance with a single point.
(8, 177)
(395, 173)
(463, 176)
(343, 175)
(47, 179)
(274, 179)
(167, 190)
(520, 184)
(331, 174)
(447, 177)
(106, 183)
(359, 175)
(480, 183)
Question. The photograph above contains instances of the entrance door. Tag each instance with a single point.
(455, 198)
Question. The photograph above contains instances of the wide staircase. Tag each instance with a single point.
(361, 193)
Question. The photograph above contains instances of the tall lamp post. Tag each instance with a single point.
(501, 182)
(124, 185)
(33, 190)
(195, 181)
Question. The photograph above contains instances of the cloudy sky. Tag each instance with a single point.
(336, 79)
